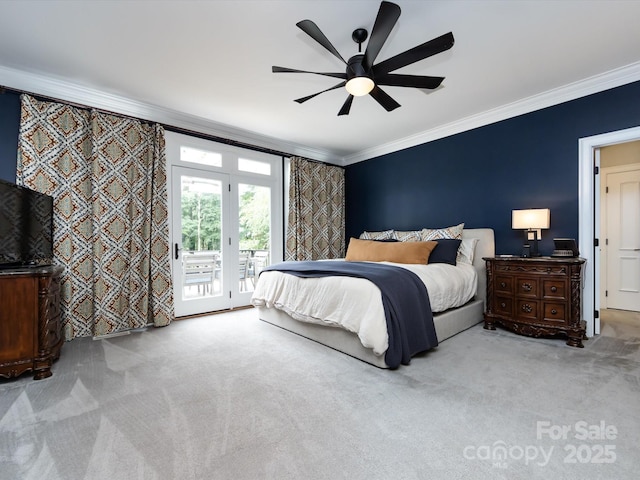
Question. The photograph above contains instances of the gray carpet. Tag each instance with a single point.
(230, 397)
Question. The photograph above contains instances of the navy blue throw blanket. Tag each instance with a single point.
(404, 298)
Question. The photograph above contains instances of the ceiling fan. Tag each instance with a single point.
(362, 77)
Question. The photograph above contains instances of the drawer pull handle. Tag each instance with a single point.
(526, 308)
(554, 289)
(503, 285)
(526, 287)
(503, 305)
(554, 311)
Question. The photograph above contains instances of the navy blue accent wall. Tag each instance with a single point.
(9, 125)
(479, 176)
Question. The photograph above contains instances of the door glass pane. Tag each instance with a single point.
(204, 157)
(254, 166)
(254, 232)
(201, 215)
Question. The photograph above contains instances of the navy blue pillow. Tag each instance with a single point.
(445, 252)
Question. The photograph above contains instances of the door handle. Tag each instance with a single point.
(176, 249)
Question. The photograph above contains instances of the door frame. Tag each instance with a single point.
(589, 218)
(230, 156)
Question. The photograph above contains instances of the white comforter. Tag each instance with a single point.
(355, 303)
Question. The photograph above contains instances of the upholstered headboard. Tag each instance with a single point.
(486, 247)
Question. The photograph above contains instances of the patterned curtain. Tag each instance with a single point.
(316, 211)
(107, 175)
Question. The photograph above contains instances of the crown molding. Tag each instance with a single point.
(597, 83)
(46, 86)
(61, 89)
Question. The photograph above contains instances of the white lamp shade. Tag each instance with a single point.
(530, 219)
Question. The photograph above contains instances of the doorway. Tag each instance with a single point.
(589, 218)
(226, 222)
(620, 226)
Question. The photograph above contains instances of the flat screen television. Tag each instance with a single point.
(26, 227)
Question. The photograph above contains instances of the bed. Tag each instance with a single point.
(447, 323)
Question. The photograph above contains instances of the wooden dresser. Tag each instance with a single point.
(536, 297)
(30, 328)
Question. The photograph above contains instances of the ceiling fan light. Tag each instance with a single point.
(359, 86)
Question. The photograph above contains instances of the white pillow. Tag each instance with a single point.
(467, 250)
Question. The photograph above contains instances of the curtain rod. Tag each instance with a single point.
(80, 106)
(227, 141)
(171, 128)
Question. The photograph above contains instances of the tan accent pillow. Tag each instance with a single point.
(397, 252)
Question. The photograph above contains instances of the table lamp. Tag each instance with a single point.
(532, 221)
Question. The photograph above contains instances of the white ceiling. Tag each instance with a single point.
(206, 65)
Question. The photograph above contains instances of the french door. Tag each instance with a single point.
(200, 224)
(225, 226)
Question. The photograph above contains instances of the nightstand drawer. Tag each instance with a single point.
(554, 289)
(555, 312)
(527, 309)
(504, 306)
(527, 287)
(504, 284)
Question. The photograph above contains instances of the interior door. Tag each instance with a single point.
(200, 255)
(623, 240)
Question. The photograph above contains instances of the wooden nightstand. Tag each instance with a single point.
(536, 297)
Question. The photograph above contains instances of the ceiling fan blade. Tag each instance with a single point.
(311, 29)
(304, 99)
(416, 81)
(346, 106)
(427, 49)
(276, 69)
(388, 15)
(383, 99)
